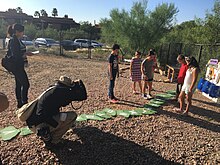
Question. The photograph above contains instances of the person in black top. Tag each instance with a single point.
(113, 71)
(17, 51)
(47, 111)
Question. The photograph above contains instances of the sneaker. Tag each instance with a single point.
(144, 96)
(135, 92)
(115, 98)
(149, 97)
(113, 101)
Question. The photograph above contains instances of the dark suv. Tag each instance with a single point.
(69, 45)
(46, 42)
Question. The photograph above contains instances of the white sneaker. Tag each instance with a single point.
(149, 97)
(144, 96)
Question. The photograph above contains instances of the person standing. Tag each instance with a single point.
(135, 71)
(188, 87)
(113, 71)
(147, 74)
(17, 51)
(182, 73)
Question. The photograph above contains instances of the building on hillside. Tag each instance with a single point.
(11, 16)
(55, 22)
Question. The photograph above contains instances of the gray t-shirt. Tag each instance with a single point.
(148, 68)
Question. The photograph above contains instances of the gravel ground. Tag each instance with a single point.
(164, 138)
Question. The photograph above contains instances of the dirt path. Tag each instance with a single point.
(165, 138)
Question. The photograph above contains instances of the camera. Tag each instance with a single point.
(44, 133)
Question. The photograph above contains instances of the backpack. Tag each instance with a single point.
(26, 110)
(8, 61)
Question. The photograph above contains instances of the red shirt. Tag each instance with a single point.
(182, 73)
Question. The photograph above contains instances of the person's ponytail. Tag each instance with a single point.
(10, 31)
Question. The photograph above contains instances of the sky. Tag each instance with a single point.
(94, 10)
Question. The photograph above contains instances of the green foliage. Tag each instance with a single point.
(3, 28)
(139, 28)
(198, 31)
(30, 31)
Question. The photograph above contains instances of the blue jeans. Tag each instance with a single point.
(112, 85)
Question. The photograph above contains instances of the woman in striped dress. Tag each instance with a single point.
(135, 71)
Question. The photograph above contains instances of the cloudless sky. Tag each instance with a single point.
(90, 10)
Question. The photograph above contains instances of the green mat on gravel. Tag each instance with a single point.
(25, 131)
(81, 117)
(124, 113)
(135, 112)
(84, 117)
(9, 132)
(102, 114)
(171, 92)
(157, 101)
(110, 111)
(165, 96)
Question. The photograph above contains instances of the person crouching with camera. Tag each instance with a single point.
(46, 120)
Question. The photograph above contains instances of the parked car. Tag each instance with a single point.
(27, 41)
(83, 43)
(96, 44)
(69, 45)
(46, 42)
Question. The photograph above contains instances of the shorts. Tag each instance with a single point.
(185, 88)
(146, 79)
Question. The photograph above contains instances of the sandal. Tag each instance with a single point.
(185, 113)
(178, 110)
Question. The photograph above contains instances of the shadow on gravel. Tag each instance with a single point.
(206, 102)
(130, 103)
(101, 148)
(192, 120)
(211, 115)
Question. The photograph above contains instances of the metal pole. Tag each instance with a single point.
(168, 54)
(200, 53)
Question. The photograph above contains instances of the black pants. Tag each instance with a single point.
(22, 85)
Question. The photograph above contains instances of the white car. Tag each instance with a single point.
(85, 43)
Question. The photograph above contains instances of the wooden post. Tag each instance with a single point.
(61, 51)
(200, 53)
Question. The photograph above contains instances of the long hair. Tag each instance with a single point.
(10, 31)
(193, 62)
(13, 28)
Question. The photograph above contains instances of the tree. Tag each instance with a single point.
(19, 10)
(65, 16)
(31, 31)
(3, 28)
(54, 12)
(44, 13)
(37, 14)
(139, 28)
(212, 23)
